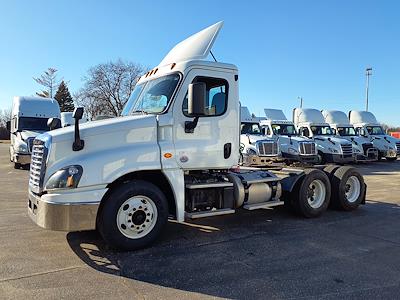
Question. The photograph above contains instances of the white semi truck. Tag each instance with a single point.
(292, 146)
(332, 149)
(256, 149)
(363, 149)
(367, 126)
(173, 154)
(29, 118)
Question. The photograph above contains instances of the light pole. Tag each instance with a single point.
(368, 72)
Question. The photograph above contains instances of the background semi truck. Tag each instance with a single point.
(362, 147)
(29, 118)
(173, 154)
(256, 148)
(332, 149)
(367, 126)
(292, 145)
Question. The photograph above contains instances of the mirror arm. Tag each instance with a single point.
(78, 143)
(191, 125)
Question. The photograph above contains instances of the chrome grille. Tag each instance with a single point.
(38, 158)
(398, 148)
(267, 148)
(307, 148)
(347, 149)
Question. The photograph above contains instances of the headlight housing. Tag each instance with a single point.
(251, 152)
(293, 151)
(333, 150)
(65, 178)
(21, 147)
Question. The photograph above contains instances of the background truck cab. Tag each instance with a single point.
(256, 148)
(310, 123)
(367, 126)
(362, 147)
(28, 119)
(292, 146)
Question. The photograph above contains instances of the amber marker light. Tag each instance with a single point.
(167, 155)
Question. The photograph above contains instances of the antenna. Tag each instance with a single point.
(213, 56)
(301, 101)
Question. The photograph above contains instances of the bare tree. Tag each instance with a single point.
(49, 80)
(107, 87)
(5, 116)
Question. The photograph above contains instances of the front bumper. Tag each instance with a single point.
(65, 211)
(339, 158)
(259, 161)
(22, 158)
(311, 159)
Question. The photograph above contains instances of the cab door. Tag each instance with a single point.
(214, 142)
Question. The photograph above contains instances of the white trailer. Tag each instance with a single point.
(172, 154)
(363, 149)
(292, 145)
(256, 149)
(367, 126)
(29, 118)
(311, 124)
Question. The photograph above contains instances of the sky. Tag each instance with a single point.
(317, 50)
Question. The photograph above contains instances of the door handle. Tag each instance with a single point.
(227, 150)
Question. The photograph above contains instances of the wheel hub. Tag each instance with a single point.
(137, 217)
(316, 193)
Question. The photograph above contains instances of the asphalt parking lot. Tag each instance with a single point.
(249, 255)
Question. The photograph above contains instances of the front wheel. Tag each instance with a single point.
(311, 196)
(133, 215)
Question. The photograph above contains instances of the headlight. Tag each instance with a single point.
(293, 151)
(333, 150)
(22, 148)
(67, 177)
(251, 152)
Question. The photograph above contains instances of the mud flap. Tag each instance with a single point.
(365, 194)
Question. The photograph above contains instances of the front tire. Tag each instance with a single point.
(132, 215)
(311, 196)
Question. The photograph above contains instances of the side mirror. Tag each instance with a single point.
(197, 99)
(334, 131)
(8, 125)
(363, 132)
(78, 113)
(263, 131)
(54, 123)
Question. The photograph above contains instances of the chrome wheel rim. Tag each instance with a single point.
(316, 193)
(352, 189)
(136, 217)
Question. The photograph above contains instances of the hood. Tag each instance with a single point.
(334, 139)
(103, 127)
(25, 134)
(254, 138)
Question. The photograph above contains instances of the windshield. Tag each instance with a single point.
(284, 129)
(321, 130)
(152, 96)
(250, 128)
(29, 123)
(375, 130)
(346, 131)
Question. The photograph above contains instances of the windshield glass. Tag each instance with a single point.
(284, 129)
(375, 130)
(321, 130)
(152, 96)
(250, 128)
(28, 123)
(346, 131)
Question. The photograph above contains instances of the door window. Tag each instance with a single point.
(216, 93)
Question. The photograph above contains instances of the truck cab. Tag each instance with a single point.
(367, 126)
(28, 119)
(173, 153)
(311, 124)
(293, 146)
(362, 147)
(256, 148)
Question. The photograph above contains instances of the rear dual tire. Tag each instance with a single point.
(311, 196)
